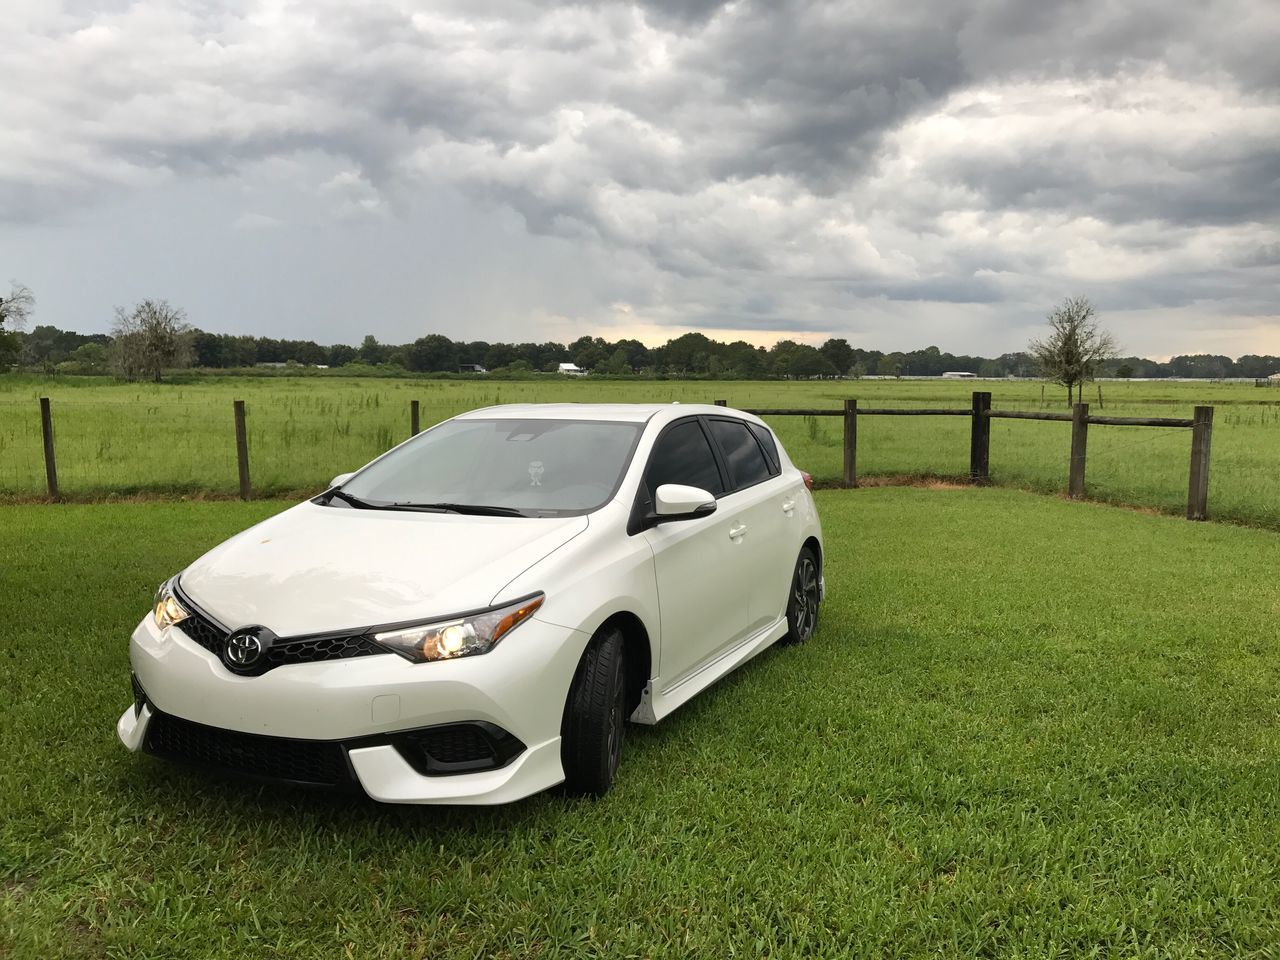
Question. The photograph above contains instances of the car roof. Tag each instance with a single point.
(607, 412)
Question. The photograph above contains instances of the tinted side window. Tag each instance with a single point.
(765, 436)
(747, 464)
(683, 455)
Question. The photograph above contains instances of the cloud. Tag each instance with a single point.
(772, 165)
(255, 221)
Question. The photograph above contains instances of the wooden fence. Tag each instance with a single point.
(979, 413)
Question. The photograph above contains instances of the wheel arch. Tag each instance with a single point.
(637, 652)
(812, 543)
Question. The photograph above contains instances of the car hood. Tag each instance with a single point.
(313, 569)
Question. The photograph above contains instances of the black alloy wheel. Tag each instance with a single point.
(802, 604)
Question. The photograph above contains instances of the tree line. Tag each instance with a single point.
(154, 337)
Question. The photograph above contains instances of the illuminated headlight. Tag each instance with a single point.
(453, 637)
(167, 609)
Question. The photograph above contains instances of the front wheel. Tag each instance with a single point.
(802, 602)
(594, 716)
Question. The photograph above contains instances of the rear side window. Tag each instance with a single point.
(682, 455)
(747, 465)
(765, 436)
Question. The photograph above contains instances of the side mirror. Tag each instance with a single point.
(340, 479)
(675, 501)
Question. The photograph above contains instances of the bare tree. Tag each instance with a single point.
(150, 338)
(1075, 346)
(15, 309)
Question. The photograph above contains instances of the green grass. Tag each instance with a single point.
(122, 439)
(1025, 728)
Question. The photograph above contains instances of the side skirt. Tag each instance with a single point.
(654, 705)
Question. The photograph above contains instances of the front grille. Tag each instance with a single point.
(458, 748)
(285, 650)
(316, 649)
(204, 632)
(313, 762)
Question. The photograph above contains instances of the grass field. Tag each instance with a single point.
(179, 438)
(1025, 727)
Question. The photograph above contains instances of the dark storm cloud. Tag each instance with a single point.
(747, 153)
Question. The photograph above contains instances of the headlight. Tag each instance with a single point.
(455, 637)
(167, 609)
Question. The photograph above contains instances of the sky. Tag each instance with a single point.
(899, 174)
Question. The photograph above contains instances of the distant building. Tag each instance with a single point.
(572, 370)
(959, 375)
(472, 368)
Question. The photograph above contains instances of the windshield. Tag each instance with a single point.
(529, 467)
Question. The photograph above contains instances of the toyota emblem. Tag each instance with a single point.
(244, 649)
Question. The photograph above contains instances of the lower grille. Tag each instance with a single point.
(458, 748)
(312, 762)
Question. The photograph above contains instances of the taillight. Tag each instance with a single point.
(808, 479)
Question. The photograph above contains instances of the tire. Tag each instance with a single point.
(594, 718)
(803, 599)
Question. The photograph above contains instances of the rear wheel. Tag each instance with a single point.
(594, 717)
(802, 603)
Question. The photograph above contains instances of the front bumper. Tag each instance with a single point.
(363, 709)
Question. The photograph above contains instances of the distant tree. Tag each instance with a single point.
(90, 356)
(616, 363)
(638, 355)
(340, 355)
(371, 351)
(16, 308)
(1075, 346)
(839, 353)
(1125, 371)
(741, 359)
(779, 358)
(499, 355)
(888, 365)
(150, 338)
(806, 362)
(858, 370)
(589, 352)
(690, 353)
(432, 354)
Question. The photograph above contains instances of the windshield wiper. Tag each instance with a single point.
(471, 509)
(353, 500)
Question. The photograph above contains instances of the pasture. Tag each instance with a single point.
(123, 439)
(1025, 727)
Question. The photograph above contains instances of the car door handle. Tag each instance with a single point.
(738, 532)
(788, 506)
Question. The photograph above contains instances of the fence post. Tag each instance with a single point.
(50, 464)
(413, 418)
(980, 440)
(1079, 441)
(722, 403)
(242, 450)
(1201, 435)
(850, 443)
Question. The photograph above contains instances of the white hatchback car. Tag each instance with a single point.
(472, 617)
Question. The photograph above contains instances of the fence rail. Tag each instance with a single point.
(980, 414)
